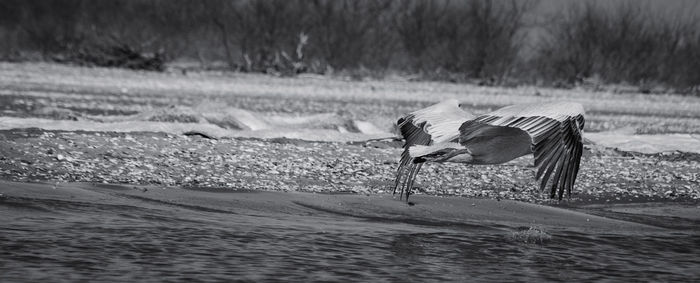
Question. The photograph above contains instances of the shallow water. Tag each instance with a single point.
(70, 240)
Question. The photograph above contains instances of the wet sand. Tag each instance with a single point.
(423, 210)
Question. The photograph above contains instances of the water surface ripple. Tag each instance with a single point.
(62, 240)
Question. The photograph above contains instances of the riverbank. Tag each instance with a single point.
(314, 134)
(280, 164)
(426, 210)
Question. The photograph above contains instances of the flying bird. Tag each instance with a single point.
(443, 132)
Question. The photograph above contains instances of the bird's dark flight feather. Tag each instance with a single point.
(557, 143)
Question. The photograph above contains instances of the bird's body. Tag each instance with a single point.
(445, 133)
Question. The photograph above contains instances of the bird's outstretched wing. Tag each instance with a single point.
(555, 130)
(434, 124)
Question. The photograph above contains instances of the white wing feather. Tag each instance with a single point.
(442, 120)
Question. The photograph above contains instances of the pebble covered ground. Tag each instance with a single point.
(292, 165)
(61, 92)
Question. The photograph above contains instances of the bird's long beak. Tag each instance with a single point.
(460, 156)
(455, 155)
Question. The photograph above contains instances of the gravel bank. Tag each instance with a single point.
(293, 165)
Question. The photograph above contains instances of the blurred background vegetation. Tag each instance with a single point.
(641, 44)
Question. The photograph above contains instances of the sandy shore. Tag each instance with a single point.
(427, 210)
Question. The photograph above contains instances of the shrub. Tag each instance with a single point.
(628, 43)
(478, 38)
(481, 41)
